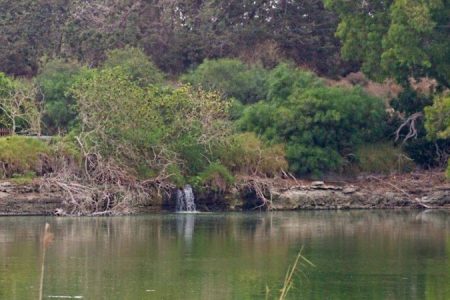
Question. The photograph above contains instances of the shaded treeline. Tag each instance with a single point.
(177, 35)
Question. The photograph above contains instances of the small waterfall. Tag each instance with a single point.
(185, 199)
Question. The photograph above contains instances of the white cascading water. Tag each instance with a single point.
(186, 199)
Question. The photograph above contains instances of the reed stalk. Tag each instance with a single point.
(46, 241)
(289, 277)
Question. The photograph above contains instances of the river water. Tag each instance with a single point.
(357, 255)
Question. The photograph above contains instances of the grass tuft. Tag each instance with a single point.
(21, 155)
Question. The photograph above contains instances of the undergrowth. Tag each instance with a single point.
(22, 155)
(383, 158)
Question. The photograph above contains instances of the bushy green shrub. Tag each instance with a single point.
(54, 80)
(312, 160)
(231, 78)
(382, 158)
(247, 154)
(216, 177)
(21, 155)
(284, 79)
(320, 125)
(135, 64)
(437, 122)
(149, 128)
(6, 84)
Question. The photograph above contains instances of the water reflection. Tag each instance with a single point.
(185, 227)
(359, 255)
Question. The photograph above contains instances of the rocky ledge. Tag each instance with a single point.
(419, 191)
(28, 200)
(319, 195)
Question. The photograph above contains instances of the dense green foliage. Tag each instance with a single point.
(438, 120)
(247, 154)
(232, 78)
(54, 80)
(136, 64)
(396, 38)
(149, 129)
(382, 158)
(404, 40)
(21, 155)
(320, 125)
(425, 152)
(112, 78)
(177, 35)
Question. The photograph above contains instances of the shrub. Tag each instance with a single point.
(247, 154)
(320, 125)
(176, 175)
(22, 179)
(54, 80)
(437, 122)
(425, 151)
(285, 78)
(382, 158)
(312, 160)
(135, 64)
(231, 78)
(19, 109)
(149, 128)
(216, 177)
(6, 85)
(22, 155)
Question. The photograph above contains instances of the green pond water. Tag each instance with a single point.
(357, 255)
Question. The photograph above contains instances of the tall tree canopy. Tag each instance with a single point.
(396, 38)
(176, 34)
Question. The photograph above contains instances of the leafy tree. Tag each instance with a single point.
(177, 35)
(19, 109)
(148, 128)
(412, 133)
(6, 85)
(401, 39)
(396, 38)
(231, 78)
(284, 79)
(135, 63)
(437, 120)
(54, 80)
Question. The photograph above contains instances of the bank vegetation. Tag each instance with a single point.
(119, 123)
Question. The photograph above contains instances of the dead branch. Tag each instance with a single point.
(261, 189)
(409, 123)
(402, 191)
